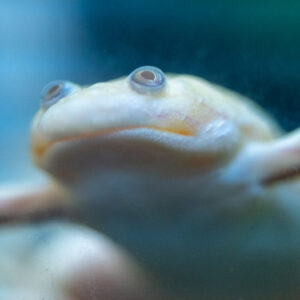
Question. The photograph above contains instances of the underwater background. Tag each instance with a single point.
(252, 47)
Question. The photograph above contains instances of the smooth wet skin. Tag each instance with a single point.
(195, 181)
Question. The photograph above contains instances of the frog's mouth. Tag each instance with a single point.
(40, 147)
(189, 149)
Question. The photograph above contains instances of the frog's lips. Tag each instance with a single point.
(40, 147)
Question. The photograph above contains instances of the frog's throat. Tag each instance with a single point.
(40, 147)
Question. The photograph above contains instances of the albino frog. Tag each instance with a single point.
(196, 182)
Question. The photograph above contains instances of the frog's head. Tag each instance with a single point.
(151, 129)
(149, 120)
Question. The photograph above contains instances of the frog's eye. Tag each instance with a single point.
(147, 79)
(56, 90)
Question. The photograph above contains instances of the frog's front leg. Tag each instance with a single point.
(30, 201)
(268, 165)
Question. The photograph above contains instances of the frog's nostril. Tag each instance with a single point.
(147, 79)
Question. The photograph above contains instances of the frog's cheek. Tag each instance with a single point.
(222, 137)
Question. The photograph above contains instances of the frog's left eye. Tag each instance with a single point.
(56, 90)
(147, 79)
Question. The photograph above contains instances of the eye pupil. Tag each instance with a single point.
(54, 91)
(148, 75)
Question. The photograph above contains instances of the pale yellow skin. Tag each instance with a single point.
(195, 181)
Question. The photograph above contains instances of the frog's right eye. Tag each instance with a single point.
(56, 90)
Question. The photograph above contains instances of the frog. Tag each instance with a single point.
(197, 182)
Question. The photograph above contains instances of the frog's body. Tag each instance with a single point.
(194, 180)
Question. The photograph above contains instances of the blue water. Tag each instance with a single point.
(39, 43)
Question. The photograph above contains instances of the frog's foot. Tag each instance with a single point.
(20, 202)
